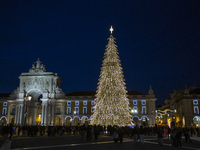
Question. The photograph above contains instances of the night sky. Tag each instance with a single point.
(158, 42)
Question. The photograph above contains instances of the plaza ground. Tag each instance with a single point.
(73, 142)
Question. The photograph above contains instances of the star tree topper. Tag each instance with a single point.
(111, 29)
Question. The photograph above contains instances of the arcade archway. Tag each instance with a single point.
(84, 120)
(68, 121)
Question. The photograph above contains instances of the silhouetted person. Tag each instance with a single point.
(96, 132)
(11, 131)
(82, 132)
(19, 130)
(121, 135)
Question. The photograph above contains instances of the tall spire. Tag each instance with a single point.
(151, 92)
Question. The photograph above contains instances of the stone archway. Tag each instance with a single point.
(76, 121)
(33, 109)
(196, 121)
(135, 121)
(3, 121)
(40, 86)
(84, 120)
(68, 121)
(144, 121)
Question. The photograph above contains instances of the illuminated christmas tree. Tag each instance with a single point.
(111, 103)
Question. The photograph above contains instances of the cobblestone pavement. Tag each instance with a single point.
(72, 142)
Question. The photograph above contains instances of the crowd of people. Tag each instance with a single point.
(38, 130)
(92, 132)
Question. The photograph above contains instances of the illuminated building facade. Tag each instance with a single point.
(165, 116)
(184, 108)
(40, 100)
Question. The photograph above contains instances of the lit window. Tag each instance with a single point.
(69, 103)
(76, 110)
(68, 110)
(76, 102)
(195, 102)
(92, 102)
(134, 102)
(84, 102)
(84, 110)
(5, 104)
(143, 102)
(143, 110)
(196, 110)
(4, 111)
(135, 110)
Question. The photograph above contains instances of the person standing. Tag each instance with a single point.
(88, 133)
(179, 138)
(141, 134)
(11, 131)
(96, 132)
(19, 130)
(120, 134)
(82, 132)
(160, 136)
(168, 132)
(135, 134)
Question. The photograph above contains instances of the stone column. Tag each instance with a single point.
(63, 113)
(34, 113)
(44, 120)
(20, 114)
(16, 111)
(52, 113)
(8, 114)
(46, 115)
(49, 114)
(42, 115)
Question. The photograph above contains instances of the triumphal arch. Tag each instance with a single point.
(34, 102)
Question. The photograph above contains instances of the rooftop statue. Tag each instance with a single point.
(37, 67)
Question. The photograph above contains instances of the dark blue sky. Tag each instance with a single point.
(158, 42)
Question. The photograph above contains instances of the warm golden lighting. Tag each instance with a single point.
(111, 29)
(111, 103)
(29, 98)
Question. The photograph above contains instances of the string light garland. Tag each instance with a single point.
(111, 103)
